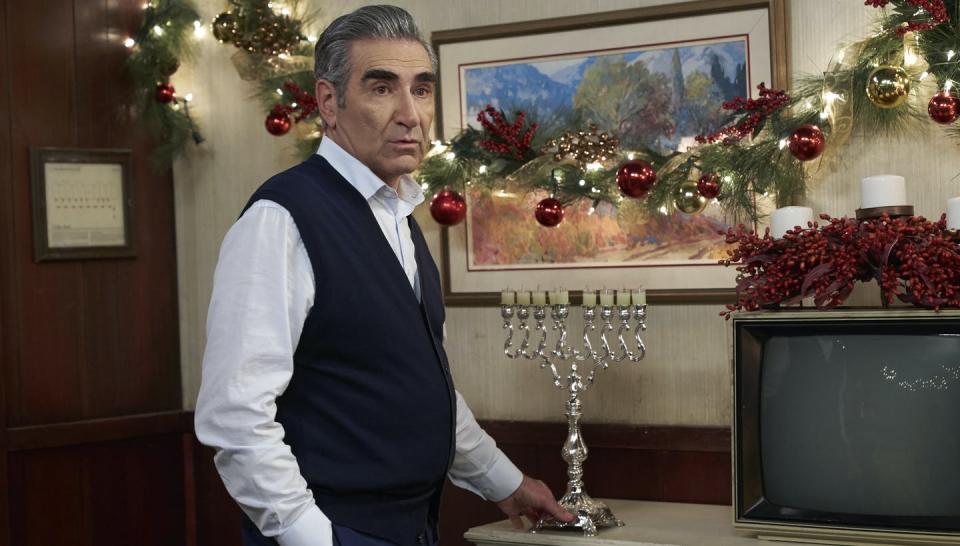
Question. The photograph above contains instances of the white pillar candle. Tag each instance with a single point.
(784, 219)
(539, 298)
(507, 297)
(523, 297)
(640, 297)
(564, 297)
(589, 297)
(885, 190)
(606, 297)
(623, 297)
(953, 213)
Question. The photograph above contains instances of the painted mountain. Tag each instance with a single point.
(649, 97)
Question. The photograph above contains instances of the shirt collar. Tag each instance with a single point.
(403, 200)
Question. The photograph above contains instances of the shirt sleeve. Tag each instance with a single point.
(262, 291)
(478, 464)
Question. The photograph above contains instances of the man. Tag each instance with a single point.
(326, 390)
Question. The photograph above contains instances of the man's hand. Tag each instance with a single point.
(534, 500)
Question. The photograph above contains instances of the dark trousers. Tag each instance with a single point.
(342, 536)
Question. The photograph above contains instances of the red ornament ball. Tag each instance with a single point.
(448, 208)
(549, 212)
(635, 178)
(277, 123)
(165, 93)
(807, 142)
(944, 108)
(709, 186)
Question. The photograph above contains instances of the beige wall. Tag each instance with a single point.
(685, 379)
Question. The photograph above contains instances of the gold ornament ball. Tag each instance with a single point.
(888, 86)
(687, 198)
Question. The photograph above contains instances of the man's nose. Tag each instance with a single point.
(406, 113)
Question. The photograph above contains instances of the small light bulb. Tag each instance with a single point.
(129, 43)
(951, 54)
(158, 30)
(582, 182)
(728, 178)
(280, 91)
(783, 144)
(450, 156)
(482, 169)
(312, 39)
(591, 211)
(948, 86)
(188, 97)
(199, 31)
(664, 211)
(594, 166)
(824, 115)
(630, 156)
(424, 186)
(293, 105)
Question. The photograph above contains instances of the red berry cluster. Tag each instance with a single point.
(306, 104)
(754, 110)
(934, 8)
(912, 259)
(506, 138)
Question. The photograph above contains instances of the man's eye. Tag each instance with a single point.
(422, 92)
(381, 89)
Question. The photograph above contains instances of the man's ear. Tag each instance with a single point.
(327, 102)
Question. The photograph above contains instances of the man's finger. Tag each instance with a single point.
(517, 522)
(558, 512)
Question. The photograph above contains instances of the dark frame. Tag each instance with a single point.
(781, 75)
(39, 157)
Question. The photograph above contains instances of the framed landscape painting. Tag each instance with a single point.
(655, 78)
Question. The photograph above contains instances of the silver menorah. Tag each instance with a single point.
(589, 514)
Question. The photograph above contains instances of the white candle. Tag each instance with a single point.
(640, 297)
(784, 219)
(953, 213)
(507, 297)
(523, 297)
(553, 297)
(589, 297)
(885, 190)
(606, 297)
(539, 298)
(563, 297)
(623, 297)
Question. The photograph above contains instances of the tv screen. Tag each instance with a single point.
(862, 424)
(848, 423)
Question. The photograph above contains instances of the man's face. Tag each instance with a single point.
(388, 109)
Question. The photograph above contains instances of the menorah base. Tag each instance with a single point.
(590, 515)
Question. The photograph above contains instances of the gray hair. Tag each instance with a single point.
(332, 52)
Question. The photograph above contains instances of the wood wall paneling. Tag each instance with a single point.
(45, 381)
(122, 492)
(7, 243)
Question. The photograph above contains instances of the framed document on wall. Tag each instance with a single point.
(82, 203)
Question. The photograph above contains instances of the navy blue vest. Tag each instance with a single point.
(370, 409)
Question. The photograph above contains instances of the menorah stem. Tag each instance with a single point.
(590, 514)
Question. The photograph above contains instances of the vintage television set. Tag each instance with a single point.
(847, 426)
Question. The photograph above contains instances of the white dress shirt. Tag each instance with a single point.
(263, 289)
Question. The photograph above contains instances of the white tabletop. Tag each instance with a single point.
(647, 524)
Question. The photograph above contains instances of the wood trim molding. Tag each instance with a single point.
(98, 430)
(614, 436)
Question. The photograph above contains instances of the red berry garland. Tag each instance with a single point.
(935, 9)
(911, 258)
(506, 138)
(753, 110)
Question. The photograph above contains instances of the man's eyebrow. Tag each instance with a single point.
(426, 77)
(379, 74)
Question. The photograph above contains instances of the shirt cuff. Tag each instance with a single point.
(501, 480)
(312, 528)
